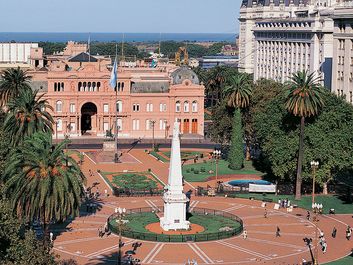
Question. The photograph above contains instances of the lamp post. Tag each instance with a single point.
(314, 166)
(120, 212)
(217, 154)
(152, 123)
(316, 208)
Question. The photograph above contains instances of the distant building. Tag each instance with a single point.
(16, 52)
(230, 50)
(193, 63)
(218, 60)
(342, 80)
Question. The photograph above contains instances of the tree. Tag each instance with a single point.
(39, 184)
(26, 115)
(12, 82)
(18, 246)
(238, 94)
(222, 123)
(303, 99)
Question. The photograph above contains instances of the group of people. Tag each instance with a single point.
(323, 242)
(284, 203)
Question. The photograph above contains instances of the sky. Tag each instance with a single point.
(130, 16)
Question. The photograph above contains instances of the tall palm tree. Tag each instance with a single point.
(237, 94)
(216, 81)
(304, 98)
(12, 81)
(40, 185)
(26, 115)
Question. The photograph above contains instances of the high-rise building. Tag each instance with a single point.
(342, 78)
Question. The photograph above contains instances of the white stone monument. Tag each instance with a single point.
(174, 198)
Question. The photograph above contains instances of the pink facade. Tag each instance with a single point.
(84, 103)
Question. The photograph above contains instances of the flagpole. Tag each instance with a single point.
(116, 159)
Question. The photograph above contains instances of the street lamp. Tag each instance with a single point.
(120, 213)
(216, 154)
(152, 124)
(314, 166)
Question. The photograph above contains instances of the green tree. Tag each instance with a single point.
(18, 246)
(26, 115)
(238, 94)
(39, 184)
(12, 82)
(303, 99)
(52, 47)
(220, 130)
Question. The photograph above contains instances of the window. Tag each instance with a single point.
(177, 106)
(119, 106)
(186, 106)
(135, 125)
(162, 107)
(149, 107)
(72, 127)
(136, 107)
(194, 106)
(162, 124)
(148, 125)
(105, 108)
(120, 125)
(72, 108)
(59, 106)
(106, 126)
(59, 125)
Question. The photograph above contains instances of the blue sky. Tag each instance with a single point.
(137, 16)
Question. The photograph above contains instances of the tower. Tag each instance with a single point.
(174, 198)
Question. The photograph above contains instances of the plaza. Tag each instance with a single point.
(79, 238)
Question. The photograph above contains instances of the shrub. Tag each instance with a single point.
(203, 169)
(192, 169)
(188, 170)
(196, 171)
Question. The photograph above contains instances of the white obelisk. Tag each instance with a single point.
(174, 197)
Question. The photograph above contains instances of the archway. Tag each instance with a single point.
(87, 111)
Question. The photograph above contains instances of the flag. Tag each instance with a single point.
(114, 75)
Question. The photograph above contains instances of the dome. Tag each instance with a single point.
(184, 73)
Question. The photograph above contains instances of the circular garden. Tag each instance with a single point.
(206, 225)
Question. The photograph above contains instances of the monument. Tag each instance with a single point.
(174, 198)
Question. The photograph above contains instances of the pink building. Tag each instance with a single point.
(78, 88)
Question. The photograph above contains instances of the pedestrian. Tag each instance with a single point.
(348, 232)
(307, 215)
(278, 232)
(265, 214)
(51, 235)
(245, 234)
(324, 247)
(334, 232)
(106, 193)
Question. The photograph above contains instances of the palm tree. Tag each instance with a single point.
(12, 81)
(238, 94)
(216, 80)
(40, 185)
(26, 115)
(304, 99)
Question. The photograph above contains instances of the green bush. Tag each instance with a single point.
(188, 170)
(196, 171)
(192, 169)
(202, 169)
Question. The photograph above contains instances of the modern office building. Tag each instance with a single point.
(342, 78)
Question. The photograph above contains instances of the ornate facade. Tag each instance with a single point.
(149, 100)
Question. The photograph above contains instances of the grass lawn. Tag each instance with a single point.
(185, 154)
(134, 181)
(223, 169)
(211, 223)
(345, 261)
(328, 201)
(156, 155)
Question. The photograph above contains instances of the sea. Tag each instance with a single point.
(118, 37)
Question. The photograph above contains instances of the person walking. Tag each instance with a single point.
(245, 234)
(334, 232)
(278, 232)
(265, 213)
(51, 235)
(324, 247)
(348, 232)
(307, 215)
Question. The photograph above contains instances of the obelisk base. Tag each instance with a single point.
(174, 213)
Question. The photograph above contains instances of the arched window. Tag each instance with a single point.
(98, 85)
(59, 124)
(55, 86)
(89, 86)
(122, 86)
(194, 106)
(148, 125)
(135, 125)
(84, 86)
(59, 106)
(177, 106)
(94, 86)
(186, 106)
(79, 86)
(120, 125)
(118, 85)
(149, 107)
(62, 86)
(119, 106)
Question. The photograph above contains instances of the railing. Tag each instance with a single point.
(136, 193)
(178, 238)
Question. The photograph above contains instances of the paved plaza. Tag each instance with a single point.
(79, 239)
